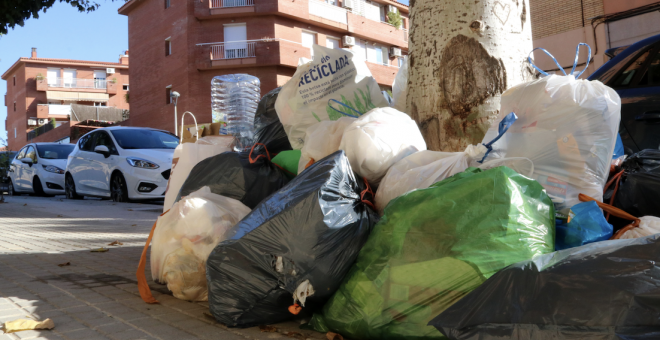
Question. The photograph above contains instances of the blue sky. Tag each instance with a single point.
(63, 32)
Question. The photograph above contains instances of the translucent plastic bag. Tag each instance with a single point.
(379, 139)
(648, 225)
(323, 88)
(185, 236)
(432, 247)
(587, 225)
(568, 128)
(322, 139)
(400, 87)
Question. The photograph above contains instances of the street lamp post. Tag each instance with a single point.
(175, 99)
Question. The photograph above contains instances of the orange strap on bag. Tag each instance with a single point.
(143, 286)
(616, 212)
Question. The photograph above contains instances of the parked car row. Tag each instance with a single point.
(121, 163)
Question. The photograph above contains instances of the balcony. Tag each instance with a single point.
(374, 30)
(53, 111)
(234, 54)
(328, 14)
(77, 83)
(220, 7)
(384, 73)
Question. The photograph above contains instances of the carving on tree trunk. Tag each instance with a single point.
(469, 75)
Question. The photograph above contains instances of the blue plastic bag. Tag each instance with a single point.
(618, 147)
(587, 225)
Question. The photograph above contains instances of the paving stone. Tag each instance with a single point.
(85, 334)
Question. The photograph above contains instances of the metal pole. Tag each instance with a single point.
(176, 129)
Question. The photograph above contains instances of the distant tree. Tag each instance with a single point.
(15, 12)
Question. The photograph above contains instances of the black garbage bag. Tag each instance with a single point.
(303, 238)
(603, 290)
(242, 176)
(639, 189)
(268, 129)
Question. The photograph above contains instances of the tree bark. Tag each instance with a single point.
(463, 55)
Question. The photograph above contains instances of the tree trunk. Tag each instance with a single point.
(463, 55)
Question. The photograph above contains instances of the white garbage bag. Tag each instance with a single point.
(648, 225)
(400, 87)
(321, 140)
(185, 236)
(186, 156)
(568, 128)
(376, 141)
(332, 85)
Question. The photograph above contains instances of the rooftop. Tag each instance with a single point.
(72, 62)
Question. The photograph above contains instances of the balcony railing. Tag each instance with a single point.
(56, 109)
(231, 3)
(328, 11)
(77, 83)
(233, 50)
(39, 131)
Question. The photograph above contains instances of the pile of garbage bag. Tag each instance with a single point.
(294, 248)
(338, 215)
(435, 245)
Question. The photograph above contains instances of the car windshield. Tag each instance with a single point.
(144, 139)
(60, 151)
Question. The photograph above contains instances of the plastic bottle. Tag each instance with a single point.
(234, 99)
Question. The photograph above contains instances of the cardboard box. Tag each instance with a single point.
(214, 129)
(189, 135)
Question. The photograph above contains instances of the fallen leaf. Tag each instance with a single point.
(209, 315)
(115, 243)
(268, 329)
(134, 225)
(25, 204)
(64, 264)
(100, 250)
(25, 325)
(333, 336)
(60, 216)
(129, 209)
(295, 335)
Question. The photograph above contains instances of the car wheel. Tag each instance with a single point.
(11, 190)
(70, 188)
(38, 187)
(118, 190)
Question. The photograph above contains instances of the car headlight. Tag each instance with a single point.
(53, 169)
(141, 163)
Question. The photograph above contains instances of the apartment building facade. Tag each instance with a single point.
(40, 90)
(180, 45)
(559, 25)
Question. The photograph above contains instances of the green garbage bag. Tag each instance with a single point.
(435, 245)
(288, 160)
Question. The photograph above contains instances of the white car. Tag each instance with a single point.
(38, 168)
(122, 163)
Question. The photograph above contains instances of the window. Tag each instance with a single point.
(332, 43)
(360, 49)
(21, 154)
(86, 142)
(103, 138)
(627, 76)
(168, 95)
(54, 151)
(145, 139)
(652, 75)
(14, 106)
(331, 2)
(235, 41)
(100, 104)
(308, 40)
(401, 61)
(168, 47)
(125, 87)
(99, 79)
(69, 78)
(30, 153)
(167, 4)
(14, 80)
(53, 76)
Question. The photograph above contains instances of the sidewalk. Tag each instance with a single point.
(96, 296)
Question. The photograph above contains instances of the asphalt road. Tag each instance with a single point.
(95, 296)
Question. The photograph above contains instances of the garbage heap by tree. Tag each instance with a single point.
(463, 56)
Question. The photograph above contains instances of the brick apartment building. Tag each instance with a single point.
(180, 45)
(559, 25)
(42, 89)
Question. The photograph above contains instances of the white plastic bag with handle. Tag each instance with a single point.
(379, 139)
(321, 140)
(568, 128)
(185, 236)
(332, 85)
(187, 155)
(648, 225)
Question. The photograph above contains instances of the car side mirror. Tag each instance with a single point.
(27, 160)
(102, 149)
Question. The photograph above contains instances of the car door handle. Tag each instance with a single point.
(650, 115)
